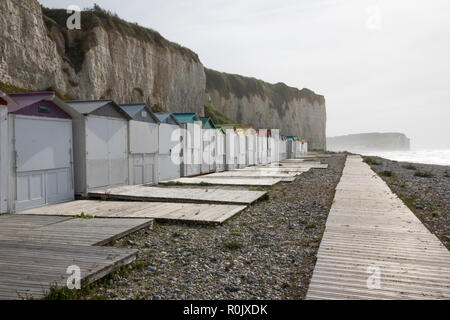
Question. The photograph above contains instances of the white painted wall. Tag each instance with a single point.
(169, 144)
(143, 152)
(3, 159)
(220, 151)
(41, 161)
(106, 152)
(209, 150)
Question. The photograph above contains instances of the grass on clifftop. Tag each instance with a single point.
(217, 116)
(83, 40)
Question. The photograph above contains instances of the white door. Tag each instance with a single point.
(209, 150)
(3, 159)
(106, 152)
(220, 152)
(43, 160)
(144, 139)
(170, 151)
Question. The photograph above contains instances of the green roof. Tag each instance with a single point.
(207, 123)
(188, 117)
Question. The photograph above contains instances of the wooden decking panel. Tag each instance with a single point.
(369, 230)
(162, 211)
(285, 177)
(231, 181)
(66, 230)
(28, 270)
(186, 195)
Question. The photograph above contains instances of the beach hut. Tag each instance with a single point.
(273, 145)
(304, 147)
(192, 140)
(220, 149)
(231, 147)
(40, 151)
(209, 145)
(283, 148)
(241, 144)
(262, 146)
(100, 145)
(170, 147)
(250, 144)
(143, 144)
(292, 147)
(5, 102)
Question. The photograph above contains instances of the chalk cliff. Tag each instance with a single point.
(264, 105)
(107, 58)
(112, 58)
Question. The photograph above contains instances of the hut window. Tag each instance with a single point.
(44, 109)
(144, 114)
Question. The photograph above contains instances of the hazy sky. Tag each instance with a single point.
(381, 65)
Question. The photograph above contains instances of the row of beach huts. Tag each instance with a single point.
(52, 150)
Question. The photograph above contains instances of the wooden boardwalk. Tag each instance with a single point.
(285, 177)
(29, 269)
(67, 230)
(226, 181)
(35, 251)
(160, 211)
(184, 195)
(374, 247)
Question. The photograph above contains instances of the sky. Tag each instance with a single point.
(383, 66)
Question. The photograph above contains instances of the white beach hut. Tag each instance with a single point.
(220, 149)
(39, 149)
(5, 101)
(170, 147)
(262, 146)
(209, 157)
(143, 144)
(100, 144)
(192, 140)
(232, 149)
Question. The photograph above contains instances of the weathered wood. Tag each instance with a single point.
(234, 181)
(63, 230)
(369, 230)
(28, 270)
(285, 177)
(183, 195)
(161, 211)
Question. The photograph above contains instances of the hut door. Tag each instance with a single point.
(169, 145)
(43, 161)
(143, 152)
(106, 146)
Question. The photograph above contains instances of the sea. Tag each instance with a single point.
(440, 157)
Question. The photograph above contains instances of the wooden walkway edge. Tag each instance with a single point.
(374, 247)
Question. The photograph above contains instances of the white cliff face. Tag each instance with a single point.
(125, 68)
(262, 105)
(28, 57)
(109, 58)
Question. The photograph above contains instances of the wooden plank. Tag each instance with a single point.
(29, 269)
(164, 211)
(185, 195)
(233, 181)
(368, 227)
(54, 229)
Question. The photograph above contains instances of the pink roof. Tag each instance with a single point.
(26, 99)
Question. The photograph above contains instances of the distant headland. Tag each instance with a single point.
(391, 141)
